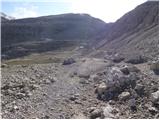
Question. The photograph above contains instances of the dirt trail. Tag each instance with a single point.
(49, 100)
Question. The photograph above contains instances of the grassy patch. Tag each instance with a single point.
(43, 58)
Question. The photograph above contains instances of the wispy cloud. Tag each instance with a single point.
(25, 11)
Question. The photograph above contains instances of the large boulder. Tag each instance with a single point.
(117, 58)
(100, 90)
(96, 113)
(155, 67)
(124, 96)
(128, 69)
(68, 61)
(136, 59)
(108, 112)
(140, 89)
(116, 82)
(155, 97)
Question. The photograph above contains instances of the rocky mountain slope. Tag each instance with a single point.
(51, 31)
(134, 33)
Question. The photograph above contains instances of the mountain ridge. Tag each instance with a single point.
(83, 29)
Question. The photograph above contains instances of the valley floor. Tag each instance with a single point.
(55, 91)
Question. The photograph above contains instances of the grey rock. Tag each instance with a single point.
(125, 70)
(79, 116)
(4, 65)
(47, 81)
(140, 89)
(96, 113)
(91, 109)
(95, 78)
(124, 96)
(15, 107)
(133, 69)
(132, 104)
(136, 59)
(111, 102)
(153, 110)
(86, 76)
(101, 88)
(9, 92)
(20, 95)
(116, 82)
(107, 111)
(155, 97)
(68, 61)
(24, 66)
(155, 67)
(45, 117)
(117, 58)
(74, 97)
(83, 81)
(33, 87)
(5, 87)
(52, 79)
(28, 93)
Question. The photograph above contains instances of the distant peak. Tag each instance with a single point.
(3, 15)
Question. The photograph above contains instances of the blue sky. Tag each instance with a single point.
(107, 10)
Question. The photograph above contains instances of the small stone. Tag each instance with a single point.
(91, 109)
(139, 89)
(77, 95)
(68, 61)
(4, 65)
(156, 116)
(101, 88)
(28, 94)
(77, 101)
(96, 113)
(83, 81)
(20, 95)
(73, 98)
(125, 70)
(9, 92)
(47, 81)
(153, 110)
(34, 86)
(52, 80)
(132, 104)
(5, 87)
(15, 107)
(45, 117)
(111, 102)
(117, 58)
(79, 116)
(85, 76)
(95, 78)
(124, 96)
(24, 65)
(133, 69)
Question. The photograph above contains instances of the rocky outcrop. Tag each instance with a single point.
(115, 83)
